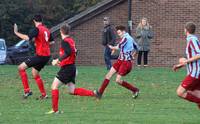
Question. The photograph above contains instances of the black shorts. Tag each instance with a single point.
(37, 62)
(67, 74)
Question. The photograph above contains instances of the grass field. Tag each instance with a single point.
(157, 103)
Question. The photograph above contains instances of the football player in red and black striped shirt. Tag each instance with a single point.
(43, 39)
(67, 72)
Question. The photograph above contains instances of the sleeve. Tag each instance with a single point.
(51, 37)
(195, 46)
(67, 50)
(112, 37)
(33, 33)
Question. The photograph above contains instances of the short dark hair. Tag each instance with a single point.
(65, 29)
(120, 27)
(37, 18)
(190, 27)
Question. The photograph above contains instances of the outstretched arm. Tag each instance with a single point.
(20, 35)
(180, 65)
(194, 58)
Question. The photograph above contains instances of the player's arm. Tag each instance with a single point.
(195, 47)
(32, 33)
(67, 52)
(134, 54)
(194, 58)
(180, 65)
(20, 35)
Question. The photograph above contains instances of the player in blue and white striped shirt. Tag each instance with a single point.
(189, 89)
(123, 65)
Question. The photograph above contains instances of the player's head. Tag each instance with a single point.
(37, 18)
(121, 30)
(106, 20)
(65, 29)
(190, 28)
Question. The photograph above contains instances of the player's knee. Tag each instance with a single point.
(107, 76)
(54, 87)
(179, 93)
(71, 93)
(118, 81)
(20, 68)
(34, 73)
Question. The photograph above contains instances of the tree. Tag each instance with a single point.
(22, 11)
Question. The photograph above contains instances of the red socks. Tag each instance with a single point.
(24, 79)
(40, 85)
(55, 98)
(192, 98)
(103, 86)
(83, 92)
(129, 86)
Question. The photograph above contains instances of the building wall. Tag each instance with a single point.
(167, 18)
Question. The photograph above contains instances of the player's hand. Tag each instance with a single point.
(55, 62)
(15, 28)
(111, 47)
(113, 51)
(134, 54)
(183, 61)
(176, 67)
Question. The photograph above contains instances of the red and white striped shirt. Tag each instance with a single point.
(193, 49)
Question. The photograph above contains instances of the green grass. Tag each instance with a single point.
(157, 103)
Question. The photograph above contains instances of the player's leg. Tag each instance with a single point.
(79, 91)
(40, 83)
(55, 95)
(124, 69)
(22, 72)
(127, 85)
(195, 93)
(188, 84)
(106, 80)
(38, 63)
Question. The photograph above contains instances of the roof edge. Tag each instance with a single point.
(91, 12)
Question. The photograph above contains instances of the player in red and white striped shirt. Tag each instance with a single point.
(189, 89)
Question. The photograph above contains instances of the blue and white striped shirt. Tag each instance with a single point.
(193, 49)
(127, 46)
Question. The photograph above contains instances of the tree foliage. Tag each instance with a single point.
(22, 11)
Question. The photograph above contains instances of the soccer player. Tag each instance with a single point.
(189, 89)
(43, 39)
(123, 65)
(67, 73)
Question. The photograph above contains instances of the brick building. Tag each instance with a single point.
(167, 18)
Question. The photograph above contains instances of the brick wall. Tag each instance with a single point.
(167, 18)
